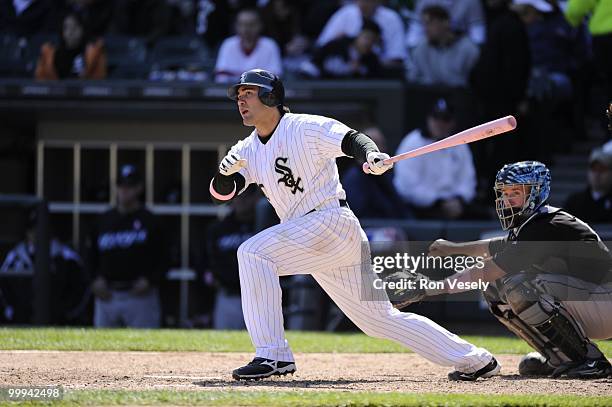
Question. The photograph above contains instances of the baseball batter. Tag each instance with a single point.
(551, 277)
(292, 159)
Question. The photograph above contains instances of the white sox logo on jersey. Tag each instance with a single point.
(287, 175)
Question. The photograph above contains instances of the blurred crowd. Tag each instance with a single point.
(429, 42)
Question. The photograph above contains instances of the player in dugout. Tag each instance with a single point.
(551, 277)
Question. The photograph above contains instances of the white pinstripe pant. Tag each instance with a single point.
(328, 245)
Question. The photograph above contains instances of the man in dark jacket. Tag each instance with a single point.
(127, 260)
(500, 79)
(594, 203)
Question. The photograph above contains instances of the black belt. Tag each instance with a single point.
(342, 202)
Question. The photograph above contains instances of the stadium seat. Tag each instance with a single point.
(127, 57)
(13, 63)
(186, 52)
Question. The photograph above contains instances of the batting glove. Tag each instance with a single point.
(231, 164)
(376, 164)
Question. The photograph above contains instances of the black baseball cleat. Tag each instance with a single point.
(260, 368)
(534, 364)
(588, 369)
(489, 370)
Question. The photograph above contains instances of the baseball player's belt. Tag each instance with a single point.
(342, 202)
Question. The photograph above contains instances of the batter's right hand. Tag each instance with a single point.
(441, 248)
(376, 164)
(231, 164)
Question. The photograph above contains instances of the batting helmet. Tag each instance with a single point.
(532, 174)
(271, 89)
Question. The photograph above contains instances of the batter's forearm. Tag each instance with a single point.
(357, 145)
(224, 188)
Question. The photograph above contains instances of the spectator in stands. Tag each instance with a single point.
(439, 184)
(555, 55)
(76, 56)
(97, 15)
(68, 282)
(348, 57)
(600, 27)
(467, 17)
(499, 80)
(210, 19)
(445, 58)
(223, 239)
(594, 203)
(25, 18)
(315, 14)
(347, 22)
(281, 21)
(141, 18)
(552, 44)
(372, 197)
(127, 259)
(247, 50)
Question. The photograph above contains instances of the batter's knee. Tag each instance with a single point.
(248, 248)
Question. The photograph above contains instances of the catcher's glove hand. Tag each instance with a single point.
(410, 290)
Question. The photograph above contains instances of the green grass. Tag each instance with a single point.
(219, 341)
(311, 398)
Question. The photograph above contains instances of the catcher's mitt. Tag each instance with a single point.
(409, 288)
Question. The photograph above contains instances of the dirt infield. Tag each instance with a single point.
(211, 371)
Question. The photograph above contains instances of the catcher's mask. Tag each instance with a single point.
(534, 180)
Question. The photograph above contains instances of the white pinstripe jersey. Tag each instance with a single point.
(296, 169)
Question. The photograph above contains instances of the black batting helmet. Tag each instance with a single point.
(271, 89)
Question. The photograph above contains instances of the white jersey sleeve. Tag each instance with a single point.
(242, 148)
(324, 137)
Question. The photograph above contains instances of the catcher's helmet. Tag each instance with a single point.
(532, 174)
(271, 90)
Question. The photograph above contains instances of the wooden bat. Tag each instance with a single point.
(480, 132)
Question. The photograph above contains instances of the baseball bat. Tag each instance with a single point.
(480, 132)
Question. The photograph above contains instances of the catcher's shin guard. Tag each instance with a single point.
(532, 336)
(566, 334)
(547, 316)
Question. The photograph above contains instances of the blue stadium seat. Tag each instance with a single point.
(13, 63)
(126, 56)
(184, 52)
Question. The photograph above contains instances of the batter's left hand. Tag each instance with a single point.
(376, 163)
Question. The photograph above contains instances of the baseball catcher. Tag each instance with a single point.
(551, 280)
